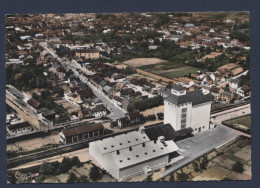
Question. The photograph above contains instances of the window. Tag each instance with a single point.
(203, 127)
(183, 121)
(184, 110)
(112, 146)
(196, 129)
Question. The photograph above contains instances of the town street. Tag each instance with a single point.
(116, 111)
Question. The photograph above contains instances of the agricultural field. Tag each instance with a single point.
(241, 123)
(180, 73)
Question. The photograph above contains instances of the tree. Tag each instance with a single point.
(46, 169)
(75, 161)
(83, 179)
(172, 177)
(95, 173)
(204, 162)
(182, 176)
(149, 178)
(238, 167)
(195, 166)
(72, 178)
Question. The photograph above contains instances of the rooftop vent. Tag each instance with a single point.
(128, 158)
(117, 152)
(143, 144)
(130, 148)
(137, 155)
(161, 138)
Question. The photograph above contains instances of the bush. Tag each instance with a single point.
(238, 167)
(95, 173)
(182, 176)
(46, 169)
(149, 178)
(72, 178)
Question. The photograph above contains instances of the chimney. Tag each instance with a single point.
(141, 129)
(161, 138)
(143, 144)
(117, 152)
(130, 148)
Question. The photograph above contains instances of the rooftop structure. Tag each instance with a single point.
(127, 155)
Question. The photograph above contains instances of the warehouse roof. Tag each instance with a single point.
(139, 153)
(121, 141)
(82, 129)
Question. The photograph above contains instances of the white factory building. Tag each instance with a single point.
(133, 153)
(184, 110)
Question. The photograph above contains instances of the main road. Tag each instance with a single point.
(204, 142)
(116, 111)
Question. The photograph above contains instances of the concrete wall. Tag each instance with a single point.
(138, 168)
(200, 117)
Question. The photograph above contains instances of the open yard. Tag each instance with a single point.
(241, 123)
(180, 73)
(154, 68)
(220, 163)
(143, 61)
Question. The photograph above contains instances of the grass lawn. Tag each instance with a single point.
(242, 123)
(180, 73)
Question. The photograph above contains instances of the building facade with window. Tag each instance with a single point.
(81, 133)
(188, 110)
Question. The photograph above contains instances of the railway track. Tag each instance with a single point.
(229, 107)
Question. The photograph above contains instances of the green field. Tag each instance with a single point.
(242, 123)
(180, 73)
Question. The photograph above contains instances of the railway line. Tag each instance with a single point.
(230, 107)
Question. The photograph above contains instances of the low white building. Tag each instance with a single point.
(133, 153)
(183, 110)
(18, 127)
